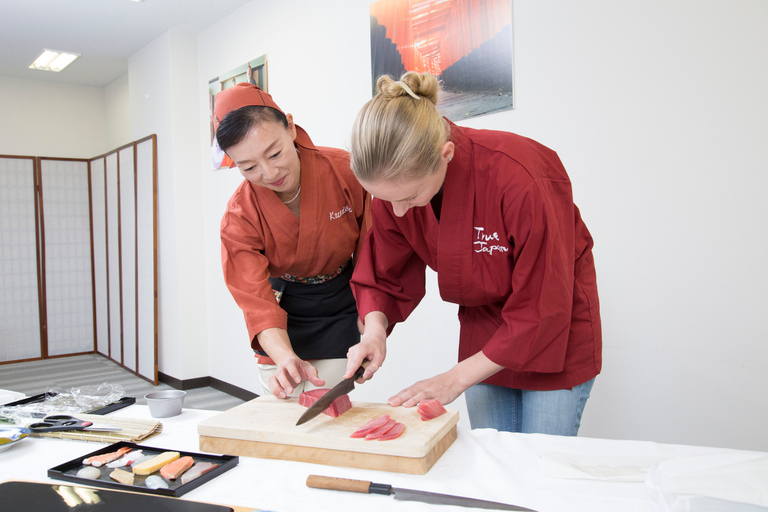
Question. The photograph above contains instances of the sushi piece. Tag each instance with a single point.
(337, 407)
(174, 470)
(99, 460)
(392, 433)
(122, 476)
(143, 458)
(430, 409)
(155, 463)
(127, 459)
(89, 472)
(371, 425)
(155, 482)
(197, 470)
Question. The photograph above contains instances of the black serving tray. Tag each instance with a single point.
(68, 471)
(114, 406)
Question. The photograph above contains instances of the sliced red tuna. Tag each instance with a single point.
(373, 424)
(380, 431)
(393, 433)
(337, 407)
(430, 409)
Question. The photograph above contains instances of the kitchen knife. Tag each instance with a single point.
(347, 484)
(342, 388)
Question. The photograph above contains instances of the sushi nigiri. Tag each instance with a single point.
(127, 459)
(99, 460)
(89, 472)
(197, 470)
(174, 470)
(155, 482)
(122, 476)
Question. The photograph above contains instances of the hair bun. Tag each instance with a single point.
(410, 84)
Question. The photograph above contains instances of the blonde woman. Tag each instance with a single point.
(493, 214)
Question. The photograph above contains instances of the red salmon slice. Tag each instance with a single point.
(380, 431)
(174, 470)
(393, 433)
(430, 409)
(373, 424)
(337, 407)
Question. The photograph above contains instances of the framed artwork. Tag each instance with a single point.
(253, 71)
(466, 44)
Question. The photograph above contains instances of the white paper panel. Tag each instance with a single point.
(128, 254)
(99, 219)
(67, 237)
(19, 301)
(113, 259)
(145, 207)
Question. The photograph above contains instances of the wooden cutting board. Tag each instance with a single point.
(266, 428)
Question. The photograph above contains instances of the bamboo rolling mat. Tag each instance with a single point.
(133, 430)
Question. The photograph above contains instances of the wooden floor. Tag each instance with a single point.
(65, 373)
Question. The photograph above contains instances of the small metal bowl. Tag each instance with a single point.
(164, 404)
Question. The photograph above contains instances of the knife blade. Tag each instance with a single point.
(342, 388)
(362, 486)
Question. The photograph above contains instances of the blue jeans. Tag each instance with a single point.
(518, 410)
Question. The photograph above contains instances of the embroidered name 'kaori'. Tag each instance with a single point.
(336, 215)
(484, 242)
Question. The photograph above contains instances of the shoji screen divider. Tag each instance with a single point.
(21, 320)
(123, 185)
(78, 261)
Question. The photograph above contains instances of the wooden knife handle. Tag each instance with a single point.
(338, 484)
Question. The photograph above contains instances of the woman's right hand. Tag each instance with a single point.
(290, 373)
(372, 346)
(291, 369)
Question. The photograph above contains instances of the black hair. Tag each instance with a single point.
(236, 124)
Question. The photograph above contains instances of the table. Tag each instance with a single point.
(545, 473)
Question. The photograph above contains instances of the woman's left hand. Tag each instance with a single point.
(446, 387)
(442, 388)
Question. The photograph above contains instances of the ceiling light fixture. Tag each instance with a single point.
(53, 60)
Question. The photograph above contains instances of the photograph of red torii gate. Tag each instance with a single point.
(466, 44)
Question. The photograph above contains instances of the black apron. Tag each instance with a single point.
(322, 318)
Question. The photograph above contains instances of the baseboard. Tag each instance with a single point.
(201, 382)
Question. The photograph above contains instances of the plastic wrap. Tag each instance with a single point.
(59, 400)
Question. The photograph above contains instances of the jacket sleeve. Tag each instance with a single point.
(536, 316)
(246, 274)
(364, 223)
(389, 276)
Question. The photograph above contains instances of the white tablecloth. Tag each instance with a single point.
(545, 473)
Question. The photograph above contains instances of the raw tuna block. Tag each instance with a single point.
(337, 407)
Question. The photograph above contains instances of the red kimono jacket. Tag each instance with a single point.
(261, 237)
(510, 249)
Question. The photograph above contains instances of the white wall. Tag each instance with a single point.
(162, 85)
(658, 111)
(51, 119)
(118, 113)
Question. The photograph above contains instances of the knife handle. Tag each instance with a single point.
(347, 484)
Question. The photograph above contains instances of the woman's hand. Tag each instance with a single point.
(290, 373)
(291, 369)
(446, 387)
(372, 346)
(443, 388)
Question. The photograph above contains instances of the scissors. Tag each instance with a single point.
(63, 422)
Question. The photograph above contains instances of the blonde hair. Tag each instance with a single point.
(399, 133)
